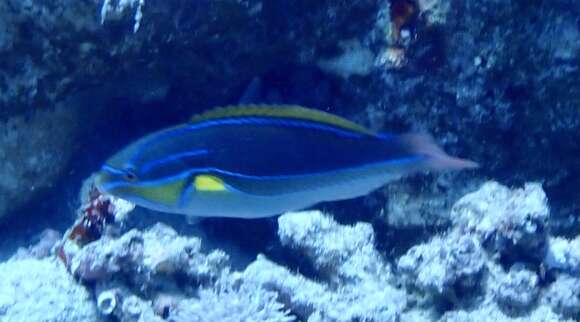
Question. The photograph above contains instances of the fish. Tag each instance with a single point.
(257, 161)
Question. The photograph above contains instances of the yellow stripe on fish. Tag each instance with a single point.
(293, 112)
(164, 194)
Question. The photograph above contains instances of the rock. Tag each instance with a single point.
(33, 154)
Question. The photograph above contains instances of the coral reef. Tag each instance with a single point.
(495, 81)
(156, 274)
(490, 265)
(463, 274)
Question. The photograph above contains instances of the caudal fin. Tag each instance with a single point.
(436, 157)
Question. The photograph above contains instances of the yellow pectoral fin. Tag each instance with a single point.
(206, 182)
(166, 194)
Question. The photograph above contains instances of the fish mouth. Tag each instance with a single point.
(99, 180)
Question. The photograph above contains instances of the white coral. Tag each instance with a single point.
(246, 302)
(116, 8)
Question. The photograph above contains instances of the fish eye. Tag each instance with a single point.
(129, 175)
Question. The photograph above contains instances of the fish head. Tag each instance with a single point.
(145, 174)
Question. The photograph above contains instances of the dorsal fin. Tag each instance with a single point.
(294, 112)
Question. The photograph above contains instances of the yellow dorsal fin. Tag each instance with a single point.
(281, 111)
(205, 182)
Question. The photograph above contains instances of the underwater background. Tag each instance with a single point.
(492, 81)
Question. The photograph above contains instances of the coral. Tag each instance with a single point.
(563, 255)
(120, 303)
(516, 291)
(445, 266)
(42, 290)
(139, 256)
(230, 303)
(158, 275)
(130, 270)
(492, 80)
(564, 296)
(354, 60)
(511, 222)
(354, 281)
(342, 254)
(114, 9)
(455, 267)
(488, 312)
(107, 302)
(314, 301)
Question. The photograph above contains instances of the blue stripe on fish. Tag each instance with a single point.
(277, 122)
(205, 170)
(113, 170)
(155, 163)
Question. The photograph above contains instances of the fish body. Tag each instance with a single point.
(259, 161)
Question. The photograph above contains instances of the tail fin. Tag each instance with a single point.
(436, 158)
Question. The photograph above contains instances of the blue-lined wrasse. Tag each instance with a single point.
(258, 161)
